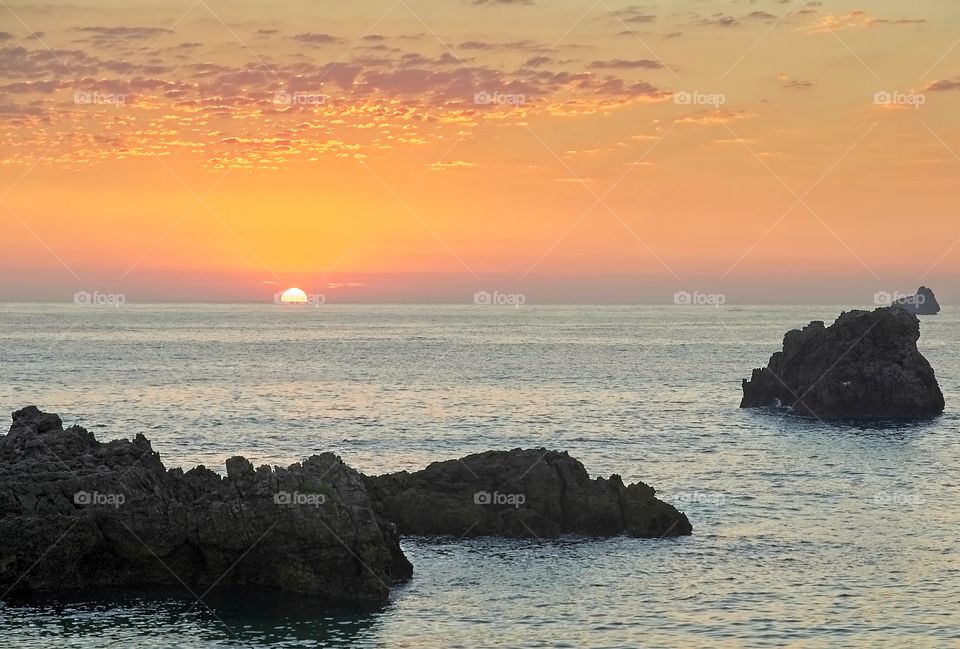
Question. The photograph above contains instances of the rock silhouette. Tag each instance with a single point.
(864, 366)
(520, 493)
(923, 303)
(77, 514)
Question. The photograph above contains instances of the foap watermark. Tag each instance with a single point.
(896, 98)
(885, 498)
(484, 98)
(97, 499)
(299, 98)
(886, 298)
(287, 298)
(686, 298)
(497, 498)
(85, 298)
(486, 298)
(698, 498)
(95, 98)
(287, 498)
(697, 98)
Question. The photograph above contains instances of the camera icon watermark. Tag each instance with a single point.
(884, 498)
(697, 98)
(96, 98)
(496, 298)
(496, 498)
(85, 298)
(883, 298)
(97, 499)
(484, 98)
(297, 98)
(897, 98)
(291, 499)
(696, 298)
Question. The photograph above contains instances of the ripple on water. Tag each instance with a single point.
(840, 535)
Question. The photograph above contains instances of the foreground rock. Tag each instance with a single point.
(864, 366)
(520, 493)
(76, 513)
(79, 514)
(923, 303)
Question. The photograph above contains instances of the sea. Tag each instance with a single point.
(805, 534)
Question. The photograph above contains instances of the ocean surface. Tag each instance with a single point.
(805, 534)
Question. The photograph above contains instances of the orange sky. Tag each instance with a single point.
(424, 150)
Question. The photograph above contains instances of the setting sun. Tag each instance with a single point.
(293, 296)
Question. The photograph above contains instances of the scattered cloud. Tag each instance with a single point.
(538, 61)
(317, 39)
(520, 46)
(623, 64)
(121, 36)
(413, 58)
(634, 14)
(718, 20)
(734, 140)
(943, 85)
(786, 81)
(762, 16)
(710, 118)
(856, 20)
(453, 164)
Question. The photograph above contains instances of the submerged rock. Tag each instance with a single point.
(864, 366)
(520, 493)
(923, 303)
(79, 514)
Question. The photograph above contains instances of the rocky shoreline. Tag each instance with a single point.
(76, 513)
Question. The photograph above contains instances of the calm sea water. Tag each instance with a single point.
(804, 534)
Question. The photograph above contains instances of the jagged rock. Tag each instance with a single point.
(520, 493)
(864, 366)
(79, 514)
(76, 514)
(923, 303)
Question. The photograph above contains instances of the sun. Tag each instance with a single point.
(293, 296)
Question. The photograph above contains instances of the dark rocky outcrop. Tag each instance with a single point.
(520, 493)
(79, 514)
(923, 303)
(864, 366)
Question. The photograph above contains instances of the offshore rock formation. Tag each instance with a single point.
(79, 514)
(520, 493)
(864, 366)
(923, 303)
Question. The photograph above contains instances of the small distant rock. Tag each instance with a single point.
(923, 303)
(864, 366)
